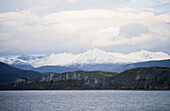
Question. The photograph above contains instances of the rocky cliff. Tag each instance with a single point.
(139, 78)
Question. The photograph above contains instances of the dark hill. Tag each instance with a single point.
(140, 78)
(9, 73)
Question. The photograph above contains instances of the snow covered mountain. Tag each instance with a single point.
(93, 56)
(62, 59)
(20, 59)
(146, 55)
(96, 56)
(11, 60)
(21, 62)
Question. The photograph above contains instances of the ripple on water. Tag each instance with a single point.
(91, 100)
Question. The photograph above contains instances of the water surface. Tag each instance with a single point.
(90, 100)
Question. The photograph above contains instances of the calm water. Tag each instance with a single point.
(85, 100)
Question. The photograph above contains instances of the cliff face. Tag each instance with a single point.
(73, 80)
(139, 78)
(70, 80)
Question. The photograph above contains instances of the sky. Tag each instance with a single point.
(41, 27)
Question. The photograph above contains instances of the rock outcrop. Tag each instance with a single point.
(139, 78)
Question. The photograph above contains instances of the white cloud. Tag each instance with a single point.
(133, 1)
(24, 31)
(125, 41)
(72, 1)
(18, 16)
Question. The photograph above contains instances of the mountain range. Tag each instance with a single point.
(94, 59)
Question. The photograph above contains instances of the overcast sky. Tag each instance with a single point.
(55, 26)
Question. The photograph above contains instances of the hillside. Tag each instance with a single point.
(142, 78)
(9, 73)
(139, 78)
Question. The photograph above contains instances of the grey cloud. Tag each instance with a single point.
(154, 45)
(133, 30)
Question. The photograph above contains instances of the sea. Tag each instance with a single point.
(84, 100)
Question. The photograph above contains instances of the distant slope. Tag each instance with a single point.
(25, 66)
(157, 63)
(56, 69)
(9, 73)
(122, 67)
(103, 67)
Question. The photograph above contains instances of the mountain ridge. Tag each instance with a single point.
(92, 56)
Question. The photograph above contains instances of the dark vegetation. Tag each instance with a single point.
(152, 78)
(9, 73)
